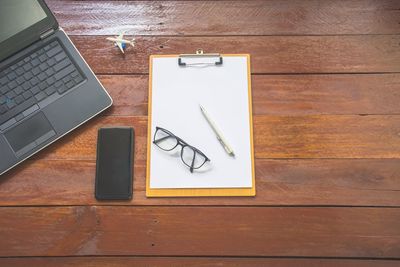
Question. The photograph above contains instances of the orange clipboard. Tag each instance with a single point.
(198, 192)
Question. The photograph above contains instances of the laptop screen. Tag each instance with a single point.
(17, 15)
(21, 24)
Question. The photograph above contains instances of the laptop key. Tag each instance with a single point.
(62, 89)
(60, 56)
(26, 86)
(28, 76)
(43, 66)
(34, 90)
(12, 85)
(30, 110)
(51, 90)
(66, 79)
(35, 62)
(19, 71)
(35, 71)
(70, 84)
(11, 94)
(27, 94)
(10, 104)
(47, 47)
(8, 124)
(3, 99)
(20, 80)
(54, 51)
(74, 74)
(64, 72)
(3, 80)
(42, 85)
(50, 80)
(4, 89)
(12, 76)
(27, 66)
(49, 72)
(19, 99)
(40, 52)
(78, 79)
(18, 90)
(42, 58)
(40, 96)
(42, 76)
(51, 62)
(16, 110)
(19, 117)
(62, 65)
(3, 109)
(58, 84)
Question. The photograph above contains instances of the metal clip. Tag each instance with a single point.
(199, 53)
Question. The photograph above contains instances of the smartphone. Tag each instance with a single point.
(115, 155)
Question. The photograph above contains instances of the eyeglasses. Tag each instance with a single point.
(191, 156)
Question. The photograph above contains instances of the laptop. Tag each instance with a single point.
(46, 87)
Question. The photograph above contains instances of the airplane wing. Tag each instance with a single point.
(119, 44)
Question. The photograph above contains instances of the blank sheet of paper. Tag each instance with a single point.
(176, 93)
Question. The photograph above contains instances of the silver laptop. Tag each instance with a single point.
(46, 87)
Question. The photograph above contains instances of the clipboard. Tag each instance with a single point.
(202, 60)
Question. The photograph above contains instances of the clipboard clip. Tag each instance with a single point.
(200, 53)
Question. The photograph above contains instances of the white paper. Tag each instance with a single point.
(177, 93)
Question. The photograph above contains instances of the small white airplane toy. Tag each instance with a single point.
(121, 42)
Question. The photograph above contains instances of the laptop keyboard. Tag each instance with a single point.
(46, 73)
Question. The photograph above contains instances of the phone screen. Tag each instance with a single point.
(114, 171)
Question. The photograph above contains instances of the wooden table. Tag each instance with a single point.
(326, 97)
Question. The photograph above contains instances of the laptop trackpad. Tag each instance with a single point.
(29, 134)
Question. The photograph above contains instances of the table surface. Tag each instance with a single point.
(326, 94)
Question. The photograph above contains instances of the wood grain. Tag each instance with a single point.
(269, 54)
(198, 231)
(283, 94)
(279, 182)
(228, 17)
(318, 68)
(326, 94)
(317, 136)
(190, 261)
(327, 136)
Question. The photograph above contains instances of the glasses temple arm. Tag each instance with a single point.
(160, 139)
(192, 165)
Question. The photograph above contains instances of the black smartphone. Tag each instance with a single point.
(114, 172)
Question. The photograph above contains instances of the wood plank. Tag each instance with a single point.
(326, 94)
(269, 54)
(190, 261)
(283, 94)
(129, 93)
(316, 136)
(327, 136)
(279, 182)
(196, 231)
(228, 17)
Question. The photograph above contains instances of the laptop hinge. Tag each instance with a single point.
(46, 33)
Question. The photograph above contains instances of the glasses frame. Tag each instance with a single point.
(183, 144)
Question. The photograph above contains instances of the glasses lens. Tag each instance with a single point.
(190, 156)
(164, 140)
